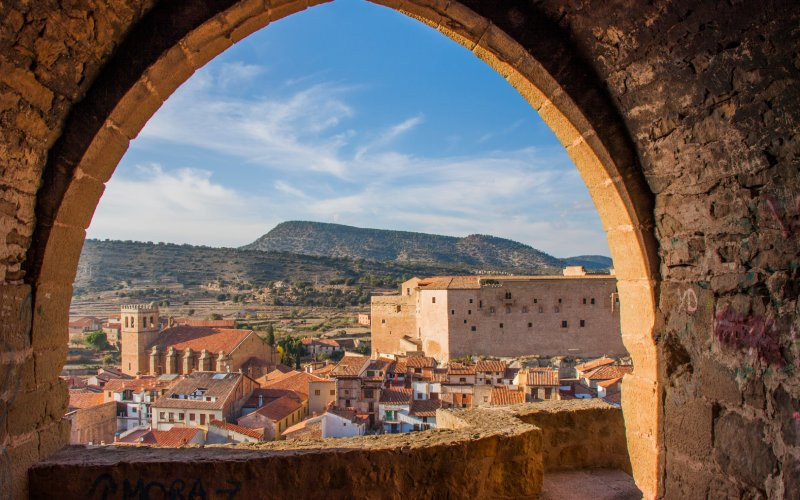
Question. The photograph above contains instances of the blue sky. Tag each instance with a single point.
(350, 113)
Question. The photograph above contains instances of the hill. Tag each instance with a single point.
(476, 252)
(105, 265)
(594, 262)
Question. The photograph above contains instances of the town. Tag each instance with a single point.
(185, 381)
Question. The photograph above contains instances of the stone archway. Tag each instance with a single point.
(172, 41)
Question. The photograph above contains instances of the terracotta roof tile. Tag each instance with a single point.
(420, 362)
(310, 428)
(215, 323)
(138, 384)
(397, 396)
(461, 369)
(349, 366)
(613, 399)
(426, 407)
(218, 386)
(608, 383)
(296, 382)
(199, 337)
(279, 409)
(324, 371)
(172, 438)
(254, 433)
(474, 282)
(81, 400)
(490, 366)
(595, 363)
(543, 376)
(502, 395)
(608, 372)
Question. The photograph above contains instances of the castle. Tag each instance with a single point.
(576, 314)
(149, 350)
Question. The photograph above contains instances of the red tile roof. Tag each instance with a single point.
(215, 323)
(349, 366)
(591, 365)
(254, 433)
(172, 438)
(138, 384)
(84, 322)
(490, 366)
(279, 409)
(502, 395)
(608, 372)
(200, 337)
(218, 386)
(268, 395)
(543, 376)
(613, 399)
(396, 396)
(425, 407)
(296, 382)
(324, 371)
(81, 400)
(420, 362)
(474, 282)
(608, 383)
(310, 428)
(311, 341)
(461, 369)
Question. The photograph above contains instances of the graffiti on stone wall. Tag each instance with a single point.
(789, 223)
(688, 300)
(754, 334)
(106, 487)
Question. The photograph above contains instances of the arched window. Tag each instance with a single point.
(126, 322)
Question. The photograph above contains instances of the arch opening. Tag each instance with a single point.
(605, 161)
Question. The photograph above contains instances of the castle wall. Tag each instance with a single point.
(531, 322)
(433, 323)
(389, 324)
(95, 424)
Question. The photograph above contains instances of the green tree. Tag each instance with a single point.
(216, 316)
(96, 340)
(191, 311)
(270, 335)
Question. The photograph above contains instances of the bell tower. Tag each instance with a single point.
(139, 328)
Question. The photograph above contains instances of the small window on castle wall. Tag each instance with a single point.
(583, 323)
(501, 325)
(584, 300)
(541, 309)
(469, 311)
(480, 303)
(465, 322)
(452, 311)
(399, 308)
(524, 309)
(433, 300)
(408, 291)
(491, 309)
(530, 325)
(592, 301)
(559, 301)
(508, 295)
(383, 321)
(563, 324)
(470, 301)
(473, 328)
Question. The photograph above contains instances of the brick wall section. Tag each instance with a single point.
(697, 101)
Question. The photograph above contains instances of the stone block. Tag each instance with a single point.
(50, 315)
(135, 108)
(61, 255)
(741, 450)
(80, 201)
(16, 306)
(716, 382)
(21, 456)
(104, 153)
(49, 363)
(787, 413)
(688, 425)
(27, 411)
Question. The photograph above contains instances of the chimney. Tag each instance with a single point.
(260, 400)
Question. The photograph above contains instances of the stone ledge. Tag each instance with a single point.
(478, 453)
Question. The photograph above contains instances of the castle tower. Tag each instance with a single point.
(139, 328)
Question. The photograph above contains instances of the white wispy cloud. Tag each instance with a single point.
(322, 168)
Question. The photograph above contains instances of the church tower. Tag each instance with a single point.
(139, 328)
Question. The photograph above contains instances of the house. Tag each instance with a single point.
(135, 398)
(321, 394)
(393, 403)
(300, 383)
(262, 396)
(94, 420)
(348, 380)
(503, 396)
(104, 375)
(221, 432)
(201, 397)
(459, 373)
(84, 324)
(172, 438)
(274, 417)
(363, 319)
(420, 367)
(607, 372)
(608, 387)
(490, 372)
(459, 388)
(424, 389)
(422, 414)
(316, 346)
(338, 423)
(540, 383)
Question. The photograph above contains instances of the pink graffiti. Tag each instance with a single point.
(790, 224)
(755, 334)
(796, 416)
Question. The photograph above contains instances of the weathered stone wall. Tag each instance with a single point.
(698, 99)
(582, 434)
(494, 457)
(96, 424)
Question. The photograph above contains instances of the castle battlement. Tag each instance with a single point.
(140, 307)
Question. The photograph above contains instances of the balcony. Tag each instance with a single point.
(554, 450)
